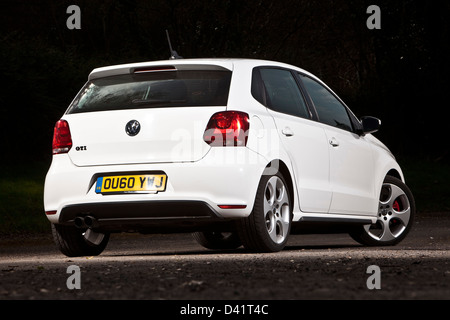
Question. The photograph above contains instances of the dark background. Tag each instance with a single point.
(398, 73)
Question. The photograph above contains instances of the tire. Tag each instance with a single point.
(268, 227)
(395, 217)
(218, 240)
(75, 242)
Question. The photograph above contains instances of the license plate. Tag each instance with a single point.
(141, 183)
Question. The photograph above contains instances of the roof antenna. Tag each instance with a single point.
(173, 54)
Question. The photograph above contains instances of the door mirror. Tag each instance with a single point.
(370, 124)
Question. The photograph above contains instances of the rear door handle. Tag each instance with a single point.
(287, 132)
(334, 142)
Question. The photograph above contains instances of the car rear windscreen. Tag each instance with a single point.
(182, 88)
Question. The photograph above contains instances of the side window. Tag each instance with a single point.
(282, 92)
(329, 109)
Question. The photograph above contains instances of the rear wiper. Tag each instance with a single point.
(155, 101)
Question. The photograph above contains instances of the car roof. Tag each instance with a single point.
(190, 64)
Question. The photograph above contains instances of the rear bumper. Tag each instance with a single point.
(145, 216)
(194, 192)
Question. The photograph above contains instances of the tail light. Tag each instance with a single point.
(62, 140)
(227, 129)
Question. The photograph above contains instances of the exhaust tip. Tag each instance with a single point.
(79, 222)
(90, 221)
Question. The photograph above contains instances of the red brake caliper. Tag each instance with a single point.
(396, 206)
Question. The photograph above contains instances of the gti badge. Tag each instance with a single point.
(132, 128)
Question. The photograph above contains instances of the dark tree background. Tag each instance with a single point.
(398, 73)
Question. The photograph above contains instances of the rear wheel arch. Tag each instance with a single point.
(280, 166)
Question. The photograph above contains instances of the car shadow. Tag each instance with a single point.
(240, 251)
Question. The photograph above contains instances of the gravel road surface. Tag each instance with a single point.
(175, 267)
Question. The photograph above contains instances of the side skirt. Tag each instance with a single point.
(329, 223)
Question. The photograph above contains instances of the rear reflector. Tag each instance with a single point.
(227, 206)
(49, 213)
(227, 129)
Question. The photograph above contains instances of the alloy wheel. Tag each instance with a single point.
(394, 214)
(276, 208)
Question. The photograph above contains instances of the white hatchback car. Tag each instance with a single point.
(237, 151)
